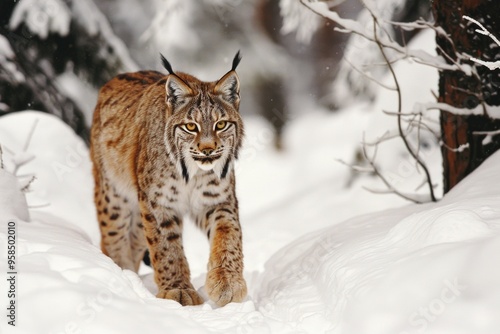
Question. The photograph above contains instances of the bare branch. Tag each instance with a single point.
(26, 188)
(369, 77)
(417, 199)
(421, 125)
(350, 26)
(390, 188)
(384, 42)
(356, 168)
(400, 128)
(30, 135)
(388, 135)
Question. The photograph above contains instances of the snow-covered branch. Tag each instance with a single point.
(299, 19)
(8, 67)
(492, 111)
(45, 40)
(375, 30)
(488, 135)
(42, 17)
(492, 65)
(355, 27)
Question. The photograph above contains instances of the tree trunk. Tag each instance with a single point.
(463, 149)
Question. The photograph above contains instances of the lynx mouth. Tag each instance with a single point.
(206, 163)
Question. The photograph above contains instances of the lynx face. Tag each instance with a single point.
(209, 140)
(204, 125)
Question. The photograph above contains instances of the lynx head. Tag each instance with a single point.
(204, 129)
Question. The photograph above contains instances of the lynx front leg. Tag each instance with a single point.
(225, 282)
(163, 231)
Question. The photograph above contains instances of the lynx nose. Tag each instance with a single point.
(207, 148)
(207, 151)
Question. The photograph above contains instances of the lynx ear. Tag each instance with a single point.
(228, 87)
(177, 91)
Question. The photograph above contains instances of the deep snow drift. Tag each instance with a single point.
(421, 267)
(429, 268)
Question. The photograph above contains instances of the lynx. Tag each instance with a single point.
(163, 147)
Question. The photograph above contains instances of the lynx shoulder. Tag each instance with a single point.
(163, 147)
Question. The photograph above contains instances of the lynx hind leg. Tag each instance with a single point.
(114, 222)
(138, 243)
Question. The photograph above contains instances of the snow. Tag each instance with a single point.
(81, 92)
(421, 250)
(88, 15)
(14, 203)
(5, 49)
(322, 255)
(42, 17)
(297, 18)
(6, 55)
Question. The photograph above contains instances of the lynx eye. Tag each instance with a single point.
(191, 127)
(221, 125)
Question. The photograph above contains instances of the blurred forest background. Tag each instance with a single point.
(55, 54)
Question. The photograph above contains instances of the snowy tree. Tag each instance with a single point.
(49, 50)
(471, 138)
(376, 28)
(362, 56)
(468, 92)
(120, 14)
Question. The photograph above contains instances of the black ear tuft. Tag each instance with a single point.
(166, 64)
(236, 60)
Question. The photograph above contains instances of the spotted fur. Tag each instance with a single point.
(151, 170)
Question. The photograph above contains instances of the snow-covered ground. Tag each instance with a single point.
(317, 257)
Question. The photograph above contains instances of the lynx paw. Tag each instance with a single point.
(183, 296)
(224, 286)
